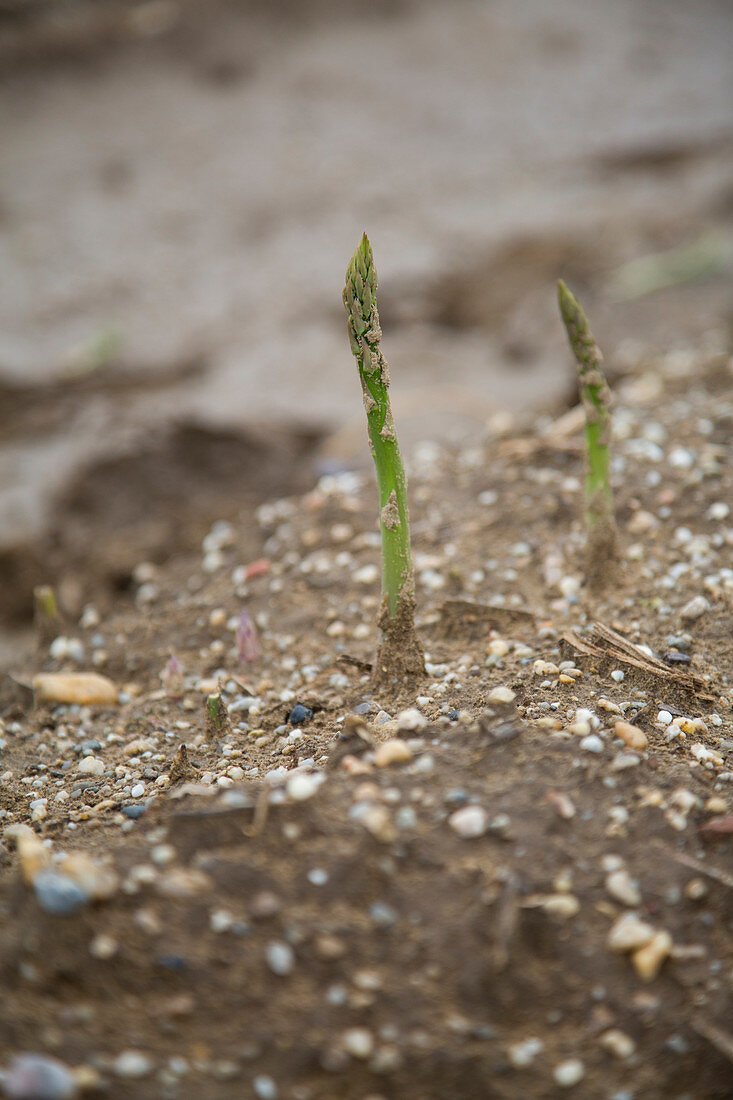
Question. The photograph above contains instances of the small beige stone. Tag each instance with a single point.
(378, 821)
(545, 668)
(631, 736)
(562, 906)
(140, 744)
(696, 889)
(469, 822)
(395, 751)
(91, 765)
(630, 933)
(716, 805)
(622, 887)
(358, 1042)
(97, 881)
(83, 688)
(33, 854)
(648, 960)
(617, 1043)
(182, 882)
(503, 695)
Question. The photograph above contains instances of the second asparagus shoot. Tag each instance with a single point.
(400, 654)
(596, 399)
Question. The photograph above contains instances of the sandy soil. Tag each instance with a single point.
(183, 184)
(513, 877)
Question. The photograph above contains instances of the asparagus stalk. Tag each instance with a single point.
(595, 395)
(46, 614)
(217, 718)
(400, 654)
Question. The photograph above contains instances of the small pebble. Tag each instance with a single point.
(280, 958)
(648, 960)
(358, 1042)
(377, 820)
(91, 765)
(631, 736)
(394, 751)
(469, 822)
(265, 1088)
(629, 933)
(523, 1054)
(592, 743)
(58, 894)
(502, 695)
(622, 887)
(299, 715)
(303, 786)
(103, 946)
(410, 720)
(568, 1074)
(35, 1077)
(694, 609)
(617, 1043)
(132, 1063)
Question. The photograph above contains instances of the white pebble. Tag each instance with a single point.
(91, 765)
(502, 695)
(265, 1088)
(410, 720)
(694, 608)
(618, 1043)
(523, 1054)
(358, 1042)
(303, 786)
(629, 933)
(280, 958)
(132, 1063)
(469, 822)
(592, 743)
(570, 1073)
(622, 887)
(368, 574)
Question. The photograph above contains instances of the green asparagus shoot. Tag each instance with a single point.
(400, 654)
(596, 398)
(46, 614)
(217, 717)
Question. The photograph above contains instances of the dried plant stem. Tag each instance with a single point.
(400, 654)
(602, 549)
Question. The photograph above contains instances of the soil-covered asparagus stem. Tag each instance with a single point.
(596, 397)
(400, 654)
(217, 718)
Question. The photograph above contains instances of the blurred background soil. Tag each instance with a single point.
(183, 183)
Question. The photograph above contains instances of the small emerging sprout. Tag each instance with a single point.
(46, 614)
(248, 646)
(217, 717)
(399, 655)
(602, 546)
(172, 678)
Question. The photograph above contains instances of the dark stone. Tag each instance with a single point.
(299, 715)
(134, 811)
(673, 658)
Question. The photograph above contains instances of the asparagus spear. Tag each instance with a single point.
(602, 546)
(400, 654)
